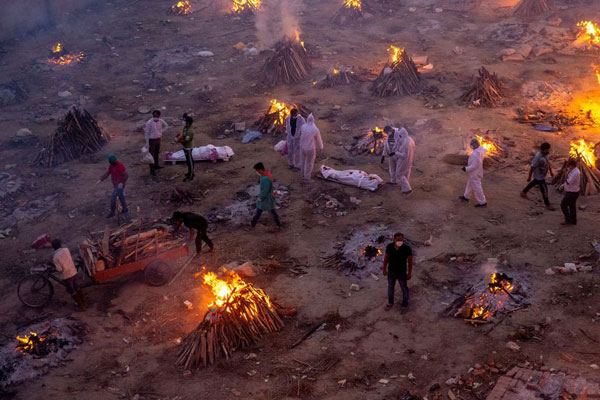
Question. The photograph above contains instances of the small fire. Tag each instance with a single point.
(59, 56)
(584, 151)
(356, 4)
(490, 302)
(282, 109)
(498, 281)
(28, 343)
(241, 6)
(300, 41)
(336, 71)
(231, 290)
(371, 252)
(183, 7)
(395, 54)
(589, 34)
(379, 135)
(491, 147)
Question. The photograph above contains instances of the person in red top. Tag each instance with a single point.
(118, 176)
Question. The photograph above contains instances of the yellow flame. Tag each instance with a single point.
(282, 109)
(356, 4)
(395, 54)
(183, 7)
(239, 6)
(492, 148)
(589, 33)
(63, 59)
(27, 342)
(300, 41)
(57, 48)
(336, 71)
(585, 151)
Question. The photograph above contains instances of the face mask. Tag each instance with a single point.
(257, 173)
(399, 243)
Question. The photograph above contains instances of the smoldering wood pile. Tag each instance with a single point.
(177, 196)
(371, 142)
(289, 63)
(348, 12)
(590, 178)
(77, 134)
(400, 78)
(246, 316)
(556, 119)
(274, 119)
(530, 8)
(486, 90)
(339, 261)
(134, 241)
(342, 76)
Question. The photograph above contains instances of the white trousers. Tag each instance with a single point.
(293, 146)
(308, 162)
(474, 185)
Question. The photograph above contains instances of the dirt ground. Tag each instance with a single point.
(130, 352)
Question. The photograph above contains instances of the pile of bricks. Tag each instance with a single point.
(524, 384)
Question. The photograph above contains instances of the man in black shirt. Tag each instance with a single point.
(397, 265)
(193, 222)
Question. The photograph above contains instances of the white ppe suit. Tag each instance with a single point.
(474, 171)
(310, 137)
(293, 142)
(400, 156)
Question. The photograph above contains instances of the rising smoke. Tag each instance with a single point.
(277, 20)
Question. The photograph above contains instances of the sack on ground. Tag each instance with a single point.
(281, 147)
(146, 156)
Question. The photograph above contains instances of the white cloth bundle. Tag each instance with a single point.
(203, 153)
(353, 177)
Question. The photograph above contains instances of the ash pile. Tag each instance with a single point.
(491, 297)
(39, 348)
(242, 210)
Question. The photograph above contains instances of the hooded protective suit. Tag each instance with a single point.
(293, 141)
(474, 171)
(310, 137)
(402, 146)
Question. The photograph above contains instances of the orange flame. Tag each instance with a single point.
(491, 147)
(57, 48)
(239, 6)
(395, 54)
(588, 34)
(380, 136)
(585, 151)
(28, 342)
(182, 7)
(282, 109)
(489, 302)
(63, 59)
(300, 41)
(356, 4)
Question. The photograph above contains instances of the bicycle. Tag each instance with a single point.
(36, 289)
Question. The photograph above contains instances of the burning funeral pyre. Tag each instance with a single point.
(588, 37)
(369, 143)
(585, 155)
(529, 8)
(338, 76)
(486, 90)
(183, 7)
(351, 10)
(274, 119)
(134, 241)
(60, 56)
(239, 316)
(77, 134)
(399, 77)
(482, 303)
(245, 6)
(39, 348)
(494, 148)
(289, 62)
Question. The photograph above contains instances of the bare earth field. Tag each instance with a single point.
(139, 55)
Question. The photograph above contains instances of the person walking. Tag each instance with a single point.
(293, 126)
(63, 262)
(153, 131)
(474, 170)
(397, 266)
(266, 200)
(118, 176)
(196, 224)
(186, 138)
(310, 138)
(540, 166)
(391, 150)
(400, 149)
(571, 186)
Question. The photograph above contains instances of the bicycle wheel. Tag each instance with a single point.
(35, 290)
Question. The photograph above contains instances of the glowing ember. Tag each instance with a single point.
(395, 54)
(584, 151)
(371, 252)
(182, 7)
(241, 6)
(492, 148)
(299, 41)
(29, 343)
(59, 56)
(492, 301)
(356, 4)
(589, 34)
(281, 109)
(336, 71)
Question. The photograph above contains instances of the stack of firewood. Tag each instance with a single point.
(351, 10)
(398, 78)
(339, 261)
(177, 197)
(246, 316)
(341, 76)
(78, 133)
(370, 143)
(289, 63)
(590, 177)
(486, 90)
(134, 241)
(274, 119)
(529, 8)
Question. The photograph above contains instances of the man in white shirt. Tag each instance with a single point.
(571, 186)
(153, 131)
(63, 261)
